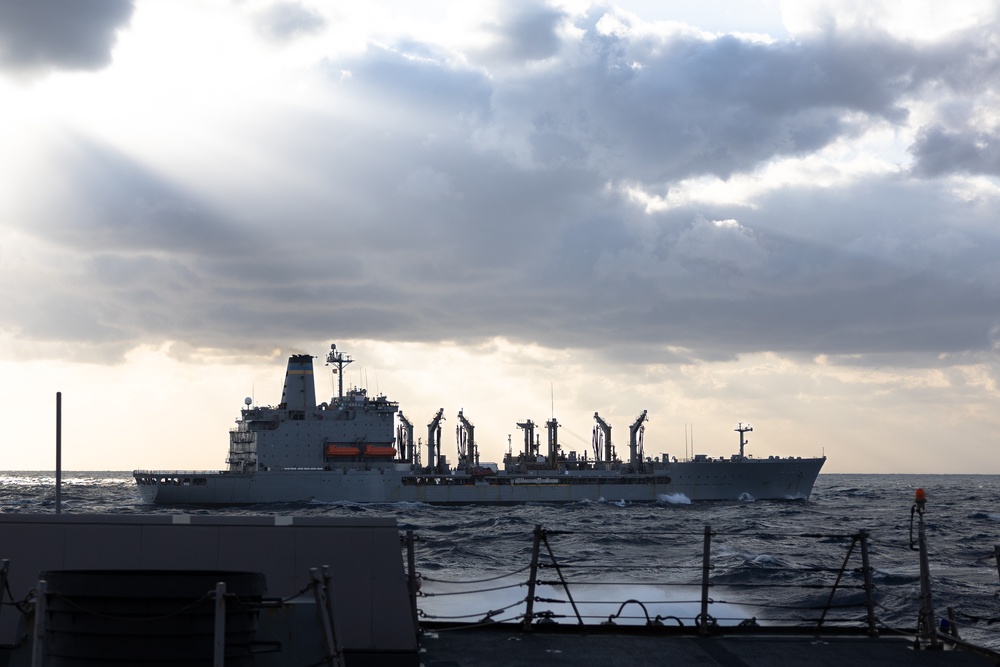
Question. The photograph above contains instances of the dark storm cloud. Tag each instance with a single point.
(132, 256)
(660, 108)
(42, 35)
(284, 21)
(939, 151)
(525, 32)
(102, 200)
(457, 202)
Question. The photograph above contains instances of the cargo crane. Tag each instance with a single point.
(404, 437)
(530, 446)
(602, 435)
(635, 432)
(468, 451)
(553, 453)
(434, 440)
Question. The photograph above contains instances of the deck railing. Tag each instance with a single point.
(702, 581)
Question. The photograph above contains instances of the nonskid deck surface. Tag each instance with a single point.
(499, 646)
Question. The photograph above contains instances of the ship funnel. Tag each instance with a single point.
(299, 392)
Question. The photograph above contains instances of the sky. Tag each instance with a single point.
(781, 213)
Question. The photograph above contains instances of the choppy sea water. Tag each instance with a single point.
(773, 561)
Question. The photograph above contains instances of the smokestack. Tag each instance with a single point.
(299, 392)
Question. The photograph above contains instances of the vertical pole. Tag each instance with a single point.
(926, 623)
(532, 575)
(412, 580)
(331, 611)
(58, 452)
(706, 565)
(952, 624)
(326, 624)
(836, 582)
(38, 637)
(4, 569)
(869, 588)
(219, 647)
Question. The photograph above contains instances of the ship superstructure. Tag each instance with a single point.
(299, 434)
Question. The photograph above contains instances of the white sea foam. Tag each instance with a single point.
(624, 604)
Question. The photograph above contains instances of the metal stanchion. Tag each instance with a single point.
(219, 651)
(706, 566)
(4, 570)
(58, 452)
(529, 611)
(926, 623)
(322, 593)
(38, 637)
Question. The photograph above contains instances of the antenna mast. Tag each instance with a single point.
(338, 359)
(743, 430)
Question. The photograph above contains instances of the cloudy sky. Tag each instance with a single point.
(786, 213)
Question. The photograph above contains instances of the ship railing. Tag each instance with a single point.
(699, 582)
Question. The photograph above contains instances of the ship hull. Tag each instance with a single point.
(695, 480)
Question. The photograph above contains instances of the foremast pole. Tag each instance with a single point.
(743, 430)
(339, 360)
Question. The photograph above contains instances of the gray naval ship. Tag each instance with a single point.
(357, 448)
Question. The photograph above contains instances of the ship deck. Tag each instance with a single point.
(502, 646)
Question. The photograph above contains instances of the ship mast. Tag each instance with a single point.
(338, 359)
(743, 430)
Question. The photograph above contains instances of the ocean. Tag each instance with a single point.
(775, 562)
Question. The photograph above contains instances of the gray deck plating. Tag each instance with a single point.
(503, 647)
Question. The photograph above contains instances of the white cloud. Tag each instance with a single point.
(924, 20)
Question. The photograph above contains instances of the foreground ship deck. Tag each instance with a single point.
(351, 449)
(478, 647)
(78, 605)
